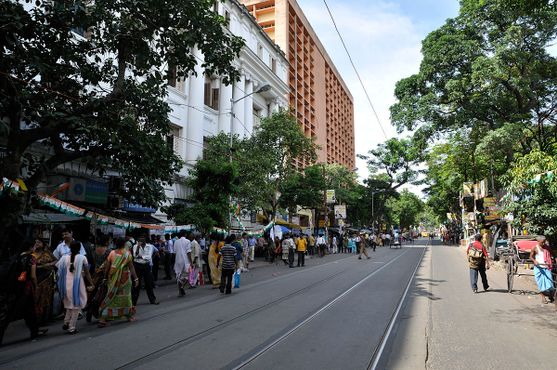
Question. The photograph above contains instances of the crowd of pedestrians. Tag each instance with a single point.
(103, 278)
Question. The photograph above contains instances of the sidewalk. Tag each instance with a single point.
(446, 326)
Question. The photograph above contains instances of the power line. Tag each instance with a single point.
(355, 70)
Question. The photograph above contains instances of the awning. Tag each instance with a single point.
(287, 224)
(49, 218)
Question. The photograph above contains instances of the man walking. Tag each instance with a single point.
(361, 244)
(478, 262)
(182, 247)
(142, 259)
(229, 264)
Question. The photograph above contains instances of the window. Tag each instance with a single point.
(260, 51)
(216, 7)
(274, 65)
(227, 19)
(173, 139)
(171, 74)
(211, 93)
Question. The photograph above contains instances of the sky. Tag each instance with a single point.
(384, 39)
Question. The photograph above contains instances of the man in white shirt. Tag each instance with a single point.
(182, 247)
(320, 242)
(64, 247)
(142, 253)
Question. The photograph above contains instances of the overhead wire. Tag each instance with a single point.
(355, 69)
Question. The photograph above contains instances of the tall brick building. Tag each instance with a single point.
(319, 97)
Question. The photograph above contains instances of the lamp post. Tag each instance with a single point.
(264, 87)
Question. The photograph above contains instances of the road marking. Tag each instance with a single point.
(308, 319)
(379, 350)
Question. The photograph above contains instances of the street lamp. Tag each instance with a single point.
(264, 87)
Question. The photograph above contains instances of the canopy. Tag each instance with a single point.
(49, 218)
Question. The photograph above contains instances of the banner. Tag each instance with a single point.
(331, 198)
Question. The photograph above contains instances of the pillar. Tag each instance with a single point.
(224, 107)
(238, 122)
(248, 110)
(194, 123)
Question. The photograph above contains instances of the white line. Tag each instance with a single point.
(288, 333)
(395, 316)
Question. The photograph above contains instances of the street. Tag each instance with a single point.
(338, 312)
(331, 314)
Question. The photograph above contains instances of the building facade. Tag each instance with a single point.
(201, 105)
(318, 95)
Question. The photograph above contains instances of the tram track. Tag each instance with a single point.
(252, 357)
(206, 332)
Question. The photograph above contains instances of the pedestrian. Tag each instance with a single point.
(541, 255)
(64, 247)
(182, 264)
(142, 260)
(196, 264)
(97, 268)
(311, 245)
(46, 276)
(301, 248)
(228, 255)
(335, 244)
(351, 245)
(478, 260)
(320, 243)
(17, 292)
(72, 269)
(214, 250)
(167, 257)
(156, 258)
(251, 244)
(245, 251)
(277, 252)
(361, 242)
(120, 273)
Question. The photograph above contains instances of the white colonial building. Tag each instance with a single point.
(202, 104)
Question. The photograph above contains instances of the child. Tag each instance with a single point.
(71, 269)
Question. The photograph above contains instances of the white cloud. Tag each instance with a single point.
(385, 46)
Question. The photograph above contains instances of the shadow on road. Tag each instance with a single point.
(422, 288)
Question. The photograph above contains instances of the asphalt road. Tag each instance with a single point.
(335, 313)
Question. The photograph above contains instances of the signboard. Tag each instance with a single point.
(340, 211)
(90, 191)
(467, 189)
(331, 198)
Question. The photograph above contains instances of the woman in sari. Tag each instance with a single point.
(214, 250)
(99, 254)
(46, 283)
(120, 272)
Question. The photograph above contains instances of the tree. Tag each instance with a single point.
(398, 159)
(100, 98)
(212, 182)
(276, 145)
(533, 193)
(484, 69)
(405, 209)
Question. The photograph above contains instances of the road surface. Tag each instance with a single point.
(334, 313)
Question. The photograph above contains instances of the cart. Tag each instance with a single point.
(517, 254)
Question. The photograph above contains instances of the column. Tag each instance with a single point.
(237, 123)
(272, 107)
(194, 123)
(248, 110)
(224, 107)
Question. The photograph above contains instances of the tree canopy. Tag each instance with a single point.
(87, 81)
